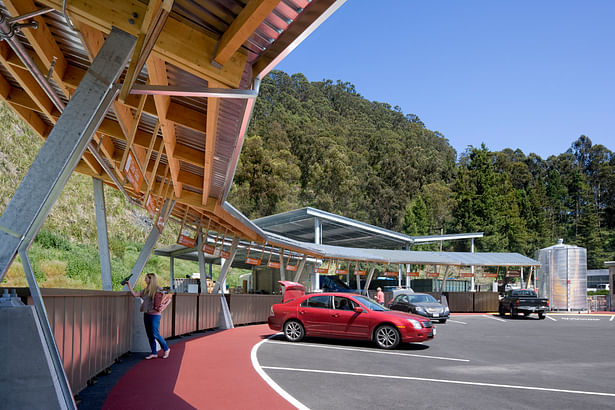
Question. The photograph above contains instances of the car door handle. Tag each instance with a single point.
(301, 312)
(335, 315)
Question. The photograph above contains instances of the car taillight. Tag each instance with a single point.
(547, 303)
(517, 302)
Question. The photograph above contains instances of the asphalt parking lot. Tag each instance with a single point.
(477, 361)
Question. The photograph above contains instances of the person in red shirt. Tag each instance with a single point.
(380, 296)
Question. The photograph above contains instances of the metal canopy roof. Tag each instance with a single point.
(341, 231)
(186, 98)
(379, 256)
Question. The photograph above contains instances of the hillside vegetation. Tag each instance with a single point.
(322, 144)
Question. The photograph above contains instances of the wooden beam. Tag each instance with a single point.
(213, 107)
(151, 26)
(41, 40)
(313, 11)
(181, 115)
(31, 87)
(177, 41)
(252, 15)
(157, 71)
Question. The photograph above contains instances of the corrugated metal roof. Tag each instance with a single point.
(342, 231)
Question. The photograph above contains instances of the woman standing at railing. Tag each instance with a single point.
(151, 316)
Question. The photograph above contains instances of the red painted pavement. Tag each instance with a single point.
(210, 372)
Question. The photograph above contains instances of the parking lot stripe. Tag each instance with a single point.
(385, 376)
(367, 351)
(494, 318)
(269, 380)
(611, 319)
(457, 321)
(549, 317)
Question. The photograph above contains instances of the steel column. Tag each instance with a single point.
(172, 273)
(282, 267)
(58, 367)
(146, 252)
(300, 269)
(225, 321)
(318, 241)
(472, 286)
(103, 239)
(226, 266)
(369, 279)
(201, 257)
(42, 185)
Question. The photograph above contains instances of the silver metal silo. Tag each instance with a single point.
(563, 276)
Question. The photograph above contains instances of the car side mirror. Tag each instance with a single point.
(358, 309)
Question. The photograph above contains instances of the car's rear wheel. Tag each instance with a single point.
(387, 337)
(513, 313)
(442, 320)
(294, 331)
(541, 315)
(501, 310)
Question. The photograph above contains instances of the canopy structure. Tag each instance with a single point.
(277, 245)
(184, 97)
(317, 226)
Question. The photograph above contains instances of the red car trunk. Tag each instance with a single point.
(292, 290)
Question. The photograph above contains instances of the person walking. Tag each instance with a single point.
(151, 317)
(380, 296)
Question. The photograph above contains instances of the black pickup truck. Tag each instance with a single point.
(523, 301)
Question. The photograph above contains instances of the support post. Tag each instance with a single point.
(172, 273)
(225, 320)
(472, 286)
(146, 252)
(282, 267)
(370, 275)
(300, 269)
(318, 241)
(201, 257)
(103, 239)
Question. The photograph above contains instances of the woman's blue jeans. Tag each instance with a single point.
(152, 322)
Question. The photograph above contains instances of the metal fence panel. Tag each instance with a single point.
(91, 329)
(460, 301)
(486, 302)
(185, 313)
(209, 311)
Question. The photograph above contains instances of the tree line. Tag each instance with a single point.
(322, 144)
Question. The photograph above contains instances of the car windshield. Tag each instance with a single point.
(370, 304)
(422, 299)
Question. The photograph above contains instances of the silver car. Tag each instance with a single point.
(421, 304)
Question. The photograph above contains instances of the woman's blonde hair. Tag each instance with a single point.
(152, 286)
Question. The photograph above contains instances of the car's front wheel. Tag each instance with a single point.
(442, 320)
(294, 331)
(541, 315)
(387, 337)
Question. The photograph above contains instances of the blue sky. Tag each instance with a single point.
(533, 75)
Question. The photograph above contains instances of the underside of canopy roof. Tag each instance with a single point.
(184, 101)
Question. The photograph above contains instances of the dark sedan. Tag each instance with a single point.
(421, 304)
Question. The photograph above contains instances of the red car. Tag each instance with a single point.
(346, 316)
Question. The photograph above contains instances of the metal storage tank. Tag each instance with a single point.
(563, 276)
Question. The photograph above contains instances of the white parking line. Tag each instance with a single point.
(494, 318)
(276, 387)
(385, 376)
(611, 319)
(367, 351)
(457, 321)
(549, 317)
